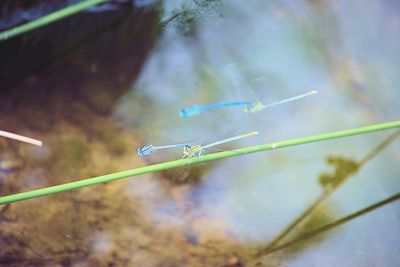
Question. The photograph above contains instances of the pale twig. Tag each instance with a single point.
(21, 138)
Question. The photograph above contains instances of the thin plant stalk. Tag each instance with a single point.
(42, 21)
(336, 223)
(326, 194)
(184, 162)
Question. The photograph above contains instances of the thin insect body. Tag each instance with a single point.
(197, 150)
(150, 149)
(249, 106)
(21, 138)
(256, 107)
(195, 110)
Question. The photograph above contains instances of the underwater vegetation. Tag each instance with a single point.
(183, 115)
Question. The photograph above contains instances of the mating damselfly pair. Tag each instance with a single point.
(197, 150)
(188, 150)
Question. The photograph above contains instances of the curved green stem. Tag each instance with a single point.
(57, 15)
(182, 162)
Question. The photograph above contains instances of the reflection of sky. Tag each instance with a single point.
(346, 51)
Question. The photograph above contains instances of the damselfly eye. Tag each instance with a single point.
(139, 152)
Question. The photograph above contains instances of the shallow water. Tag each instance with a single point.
(93, 100)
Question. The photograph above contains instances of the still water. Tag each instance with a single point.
(94, 95)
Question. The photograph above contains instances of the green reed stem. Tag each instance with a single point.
(42, 21)
(183, 162)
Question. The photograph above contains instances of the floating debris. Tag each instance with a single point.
(9, 165)
(21, 138)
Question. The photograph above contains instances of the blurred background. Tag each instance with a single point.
(96, 85)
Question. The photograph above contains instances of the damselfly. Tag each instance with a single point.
(150, 149)
(195, 110)
(197, 150)
(258, 106)
(249, 106)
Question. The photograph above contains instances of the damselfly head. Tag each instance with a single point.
(145, 151)
(188, 112)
